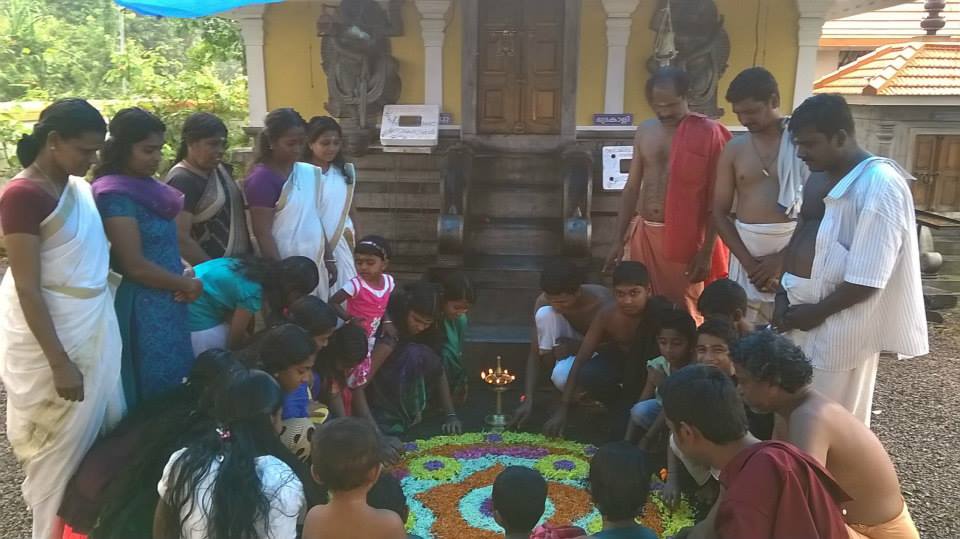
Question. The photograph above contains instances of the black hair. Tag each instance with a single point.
(679, 320)
(277, 122)
(456, 286)
(631, 273)
(162, 425)
(374, 246)
(720, 329)
(519, 497)
(420, 297)
(754, 83)
(561, 276)
(722, 297)
(281, 347)
(198, 126)
(348, 346)
(128, 127)
(773, 358)
(619, 480)
(825, 113)
(387, 494)
(314, 315)
(294, 274)
(677, 78)
(238, 504)
(706, 398)
(70, 118)
(343, 453)
(318, 125)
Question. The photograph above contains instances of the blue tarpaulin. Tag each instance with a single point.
(186, 9)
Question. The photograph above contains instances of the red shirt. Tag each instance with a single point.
(775, 491)
(23, 207)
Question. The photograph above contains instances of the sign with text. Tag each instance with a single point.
(613, 119)
(410, 125)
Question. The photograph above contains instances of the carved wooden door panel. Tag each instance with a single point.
(936, 165)
(519, 66)
(924, 168)
(946, 193)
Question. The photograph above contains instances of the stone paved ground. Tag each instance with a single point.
(917, 410)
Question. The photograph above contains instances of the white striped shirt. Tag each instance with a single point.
(868, 237)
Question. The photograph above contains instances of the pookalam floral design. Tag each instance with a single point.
(448, 481)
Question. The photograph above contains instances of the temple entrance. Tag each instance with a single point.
(520, 67)
(936, 165)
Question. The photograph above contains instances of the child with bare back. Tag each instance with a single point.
(346, 460)
(604, 372)
(775, 376)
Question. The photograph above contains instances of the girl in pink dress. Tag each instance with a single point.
(366, 297)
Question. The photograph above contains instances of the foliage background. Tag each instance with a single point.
(72, 48)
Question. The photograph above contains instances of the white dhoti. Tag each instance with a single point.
(298, 223)
(48, 434)
(848, 380)
(551, 327)
(761, 239)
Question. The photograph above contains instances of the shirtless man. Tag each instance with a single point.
(562, 315)
(664, 217)
(606, 373)
(760, 170)
(774, 376)
(854, 254)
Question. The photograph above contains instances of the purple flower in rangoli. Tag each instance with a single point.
(410, 446)
(433, 465)
(486, 507)
(494, 438)
(564, 465)
(590, 450)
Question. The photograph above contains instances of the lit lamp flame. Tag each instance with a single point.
(498, 376)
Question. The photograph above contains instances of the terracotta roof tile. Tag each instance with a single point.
(904, 69)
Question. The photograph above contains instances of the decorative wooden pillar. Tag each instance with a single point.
(619, 22)
(808, 43)
(433, 23)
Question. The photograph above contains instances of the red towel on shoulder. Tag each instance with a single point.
(694, 154)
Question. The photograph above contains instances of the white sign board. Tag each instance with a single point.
(410, 125)
(616, 164)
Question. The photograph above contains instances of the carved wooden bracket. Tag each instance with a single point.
(454, 186)
(577, 201)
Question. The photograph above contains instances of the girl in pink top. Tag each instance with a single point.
(366, 297)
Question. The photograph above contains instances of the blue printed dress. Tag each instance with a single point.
(157, 354)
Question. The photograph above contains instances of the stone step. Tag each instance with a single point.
(514, 236)
(485, 342)
(506, 200)
(519, 169)
(951, 265)
(938, 299)
(949, 284)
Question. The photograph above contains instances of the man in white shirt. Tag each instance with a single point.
(851, 285)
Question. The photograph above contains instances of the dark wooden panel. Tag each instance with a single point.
(924, 167)
(947, 193)
(399, 226)
(389, 201)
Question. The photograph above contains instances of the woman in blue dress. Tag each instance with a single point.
(139, 216)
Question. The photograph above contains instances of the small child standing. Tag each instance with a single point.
(366, 297)
(346, 460)
(677, 339)
(619, 485)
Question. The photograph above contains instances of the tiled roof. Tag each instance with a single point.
(896, 23)
(918, 68)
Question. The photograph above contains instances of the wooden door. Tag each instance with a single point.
(937, 168)
(519, 66)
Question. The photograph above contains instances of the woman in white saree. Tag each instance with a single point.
(337, 185)
(60, 342)
(284, 197)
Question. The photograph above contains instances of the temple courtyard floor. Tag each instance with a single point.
(917, 416)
